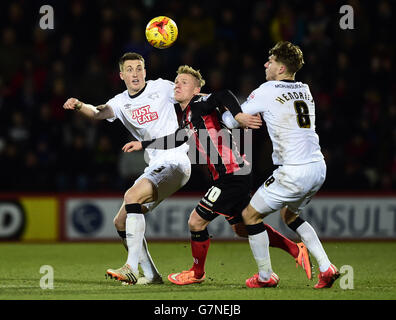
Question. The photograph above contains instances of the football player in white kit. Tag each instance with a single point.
(146, 109)
(288, 109)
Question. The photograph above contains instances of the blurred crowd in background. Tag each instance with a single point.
(45, 148)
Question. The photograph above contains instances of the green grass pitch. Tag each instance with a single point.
(79, 272)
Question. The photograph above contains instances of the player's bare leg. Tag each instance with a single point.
(119, 223)
(199, 247)
(328, 272)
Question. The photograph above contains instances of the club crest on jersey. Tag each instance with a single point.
(143, 114)
(189, 115)
(154, 95)
(202, 98)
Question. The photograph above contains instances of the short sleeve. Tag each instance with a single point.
(114, 105)
(168, 87)
(256, 102)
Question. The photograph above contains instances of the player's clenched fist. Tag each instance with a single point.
(72, 104)
(132, 146)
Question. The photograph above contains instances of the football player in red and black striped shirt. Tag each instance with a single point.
(200, 123)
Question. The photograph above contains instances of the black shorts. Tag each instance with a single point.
(228, 196)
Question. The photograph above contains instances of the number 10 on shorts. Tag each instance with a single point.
(213, 194)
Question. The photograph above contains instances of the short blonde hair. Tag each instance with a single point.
(195, 73)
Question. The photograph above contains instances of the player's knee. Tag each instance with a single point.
(193, 224)
(251, 216)
(130, 196)
(247, 214)
(141, 192)
(133, 195)
(196, 222)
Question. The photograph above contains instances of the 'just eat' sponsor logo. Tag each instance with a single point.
(143, 114)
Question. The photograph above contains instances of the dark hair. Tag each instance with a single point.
(288, 54)
(129, 56)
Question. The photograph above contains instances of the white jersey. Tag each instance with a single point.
(289, 112)
(149, 114)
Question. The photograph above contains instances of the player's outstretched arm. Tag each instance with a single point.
(167, 142)
(100, 112)
(171, 141)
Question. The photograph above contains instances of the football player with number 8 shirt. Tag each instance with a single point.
(288, 109)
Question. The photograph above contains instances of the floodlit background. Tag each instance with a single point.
(63, 176)
(44, 148)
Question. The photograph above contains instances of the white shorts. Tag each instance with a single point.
(290, 185)
(168, 176)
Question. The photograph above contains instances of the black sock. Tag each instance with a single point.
(133, 208)
(296, 223)
(200, 235)
(122, 234)
(253, 229)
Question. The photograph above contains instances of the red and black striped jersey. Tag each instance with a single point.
(200, 123)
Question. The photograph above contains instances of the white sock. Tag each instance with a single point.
(147, 263)
(135, 228)
(259, 244)
(312, 242)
